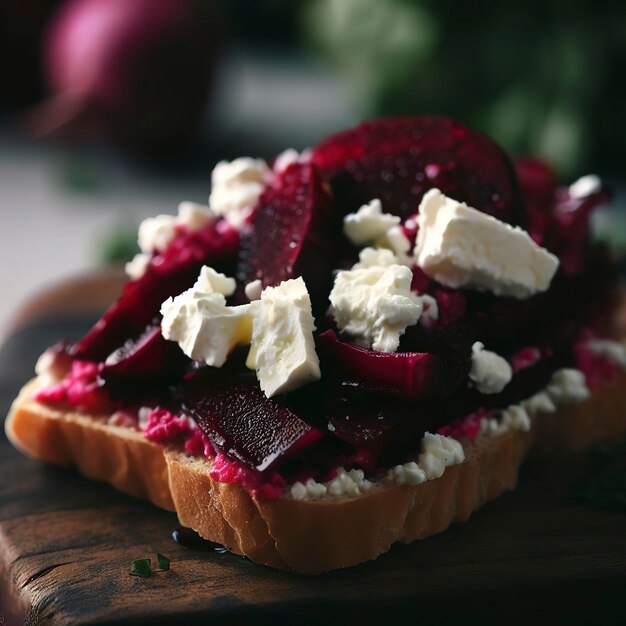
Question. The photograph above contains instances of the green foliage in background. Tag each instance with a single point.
(540, 77)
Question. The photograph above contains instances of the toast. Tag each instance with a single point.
(305, 536)
(276, 360)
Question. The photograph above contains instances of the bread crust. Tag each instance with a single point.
(305, 536)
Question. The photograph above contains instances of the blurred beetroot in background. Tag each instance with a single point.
(134, 72)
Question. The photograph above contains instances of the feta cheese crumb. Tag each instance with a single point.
(408, 474)
(430, 310)
(200, 322)
(194, 216)
(375, 305)
(460, 246)
(289, 157)
(156, 233)
(368, 224)
(210, 281)
(568, 385)
(283, 349)
(489, 372)
(437, 453)
(396, 241)
(253, 290)
(236, 187)
(540, 402)
(137, 266)
(613, 350)
(375, 257)
(585, 186)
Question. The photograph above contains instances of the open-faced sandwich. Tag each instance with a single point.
(354, 347)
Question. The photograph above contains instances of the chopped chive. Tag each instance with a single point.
(141, 567)
(163, 561)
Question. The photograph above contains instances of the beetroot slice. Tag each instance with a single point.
(149, 360)
(417, 375)
(239, 420)
(168, 275)
(399, 159)
(537, 182)
(291, 233)
(568, 232)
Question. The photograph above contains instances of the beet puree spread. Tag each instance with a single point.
(370, 409)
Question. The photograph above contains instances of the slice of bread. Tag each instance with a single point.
(304, 536)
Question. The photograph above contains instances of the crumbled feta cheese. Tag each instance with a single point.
(489, 372)
(375, 305)
(253, 290)
(437, 453)
(289, 157)
(144, 416)
(460, 246)
(156, 233)
(430, 310)
(368, 224)
(236, 188)
(375, 257)
(283, 349)
(408, 474)
(210, 281)
(568, 385)
(613, 350)
(585, 186)
(194, 216)
(137, 267)
(200, 322)
(396, 241)
(540, 402)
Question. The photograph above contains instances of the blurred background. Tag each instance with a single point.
(115, 110)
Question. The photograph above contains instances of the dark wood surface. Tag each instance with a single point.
(66, 544)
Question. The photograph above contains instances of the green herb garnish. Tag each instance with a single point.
(163, 561)
(142, 568)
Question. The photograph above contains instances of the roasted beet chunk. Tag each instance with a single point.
(399, 159)
(417, 375)
(234, 413)
(149, 360)
(168, 275)
(291, 233)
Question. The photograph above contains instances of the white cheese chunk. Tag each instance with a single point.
(368, 224)
(283, 350)
(200, 322)
(210, 281)
(568, 385)
(375, 257)
(156, 233)
(613, 350)
(437, 453)
(289, 157)
(585, 186)
(375, 305)
(396, 241)
(489, 372)
(460, 246)
(194, 216)
(236, 188)
(253, 290)
(137, 266)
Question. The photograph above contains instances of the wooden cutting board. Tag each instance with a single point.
(66, 544)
